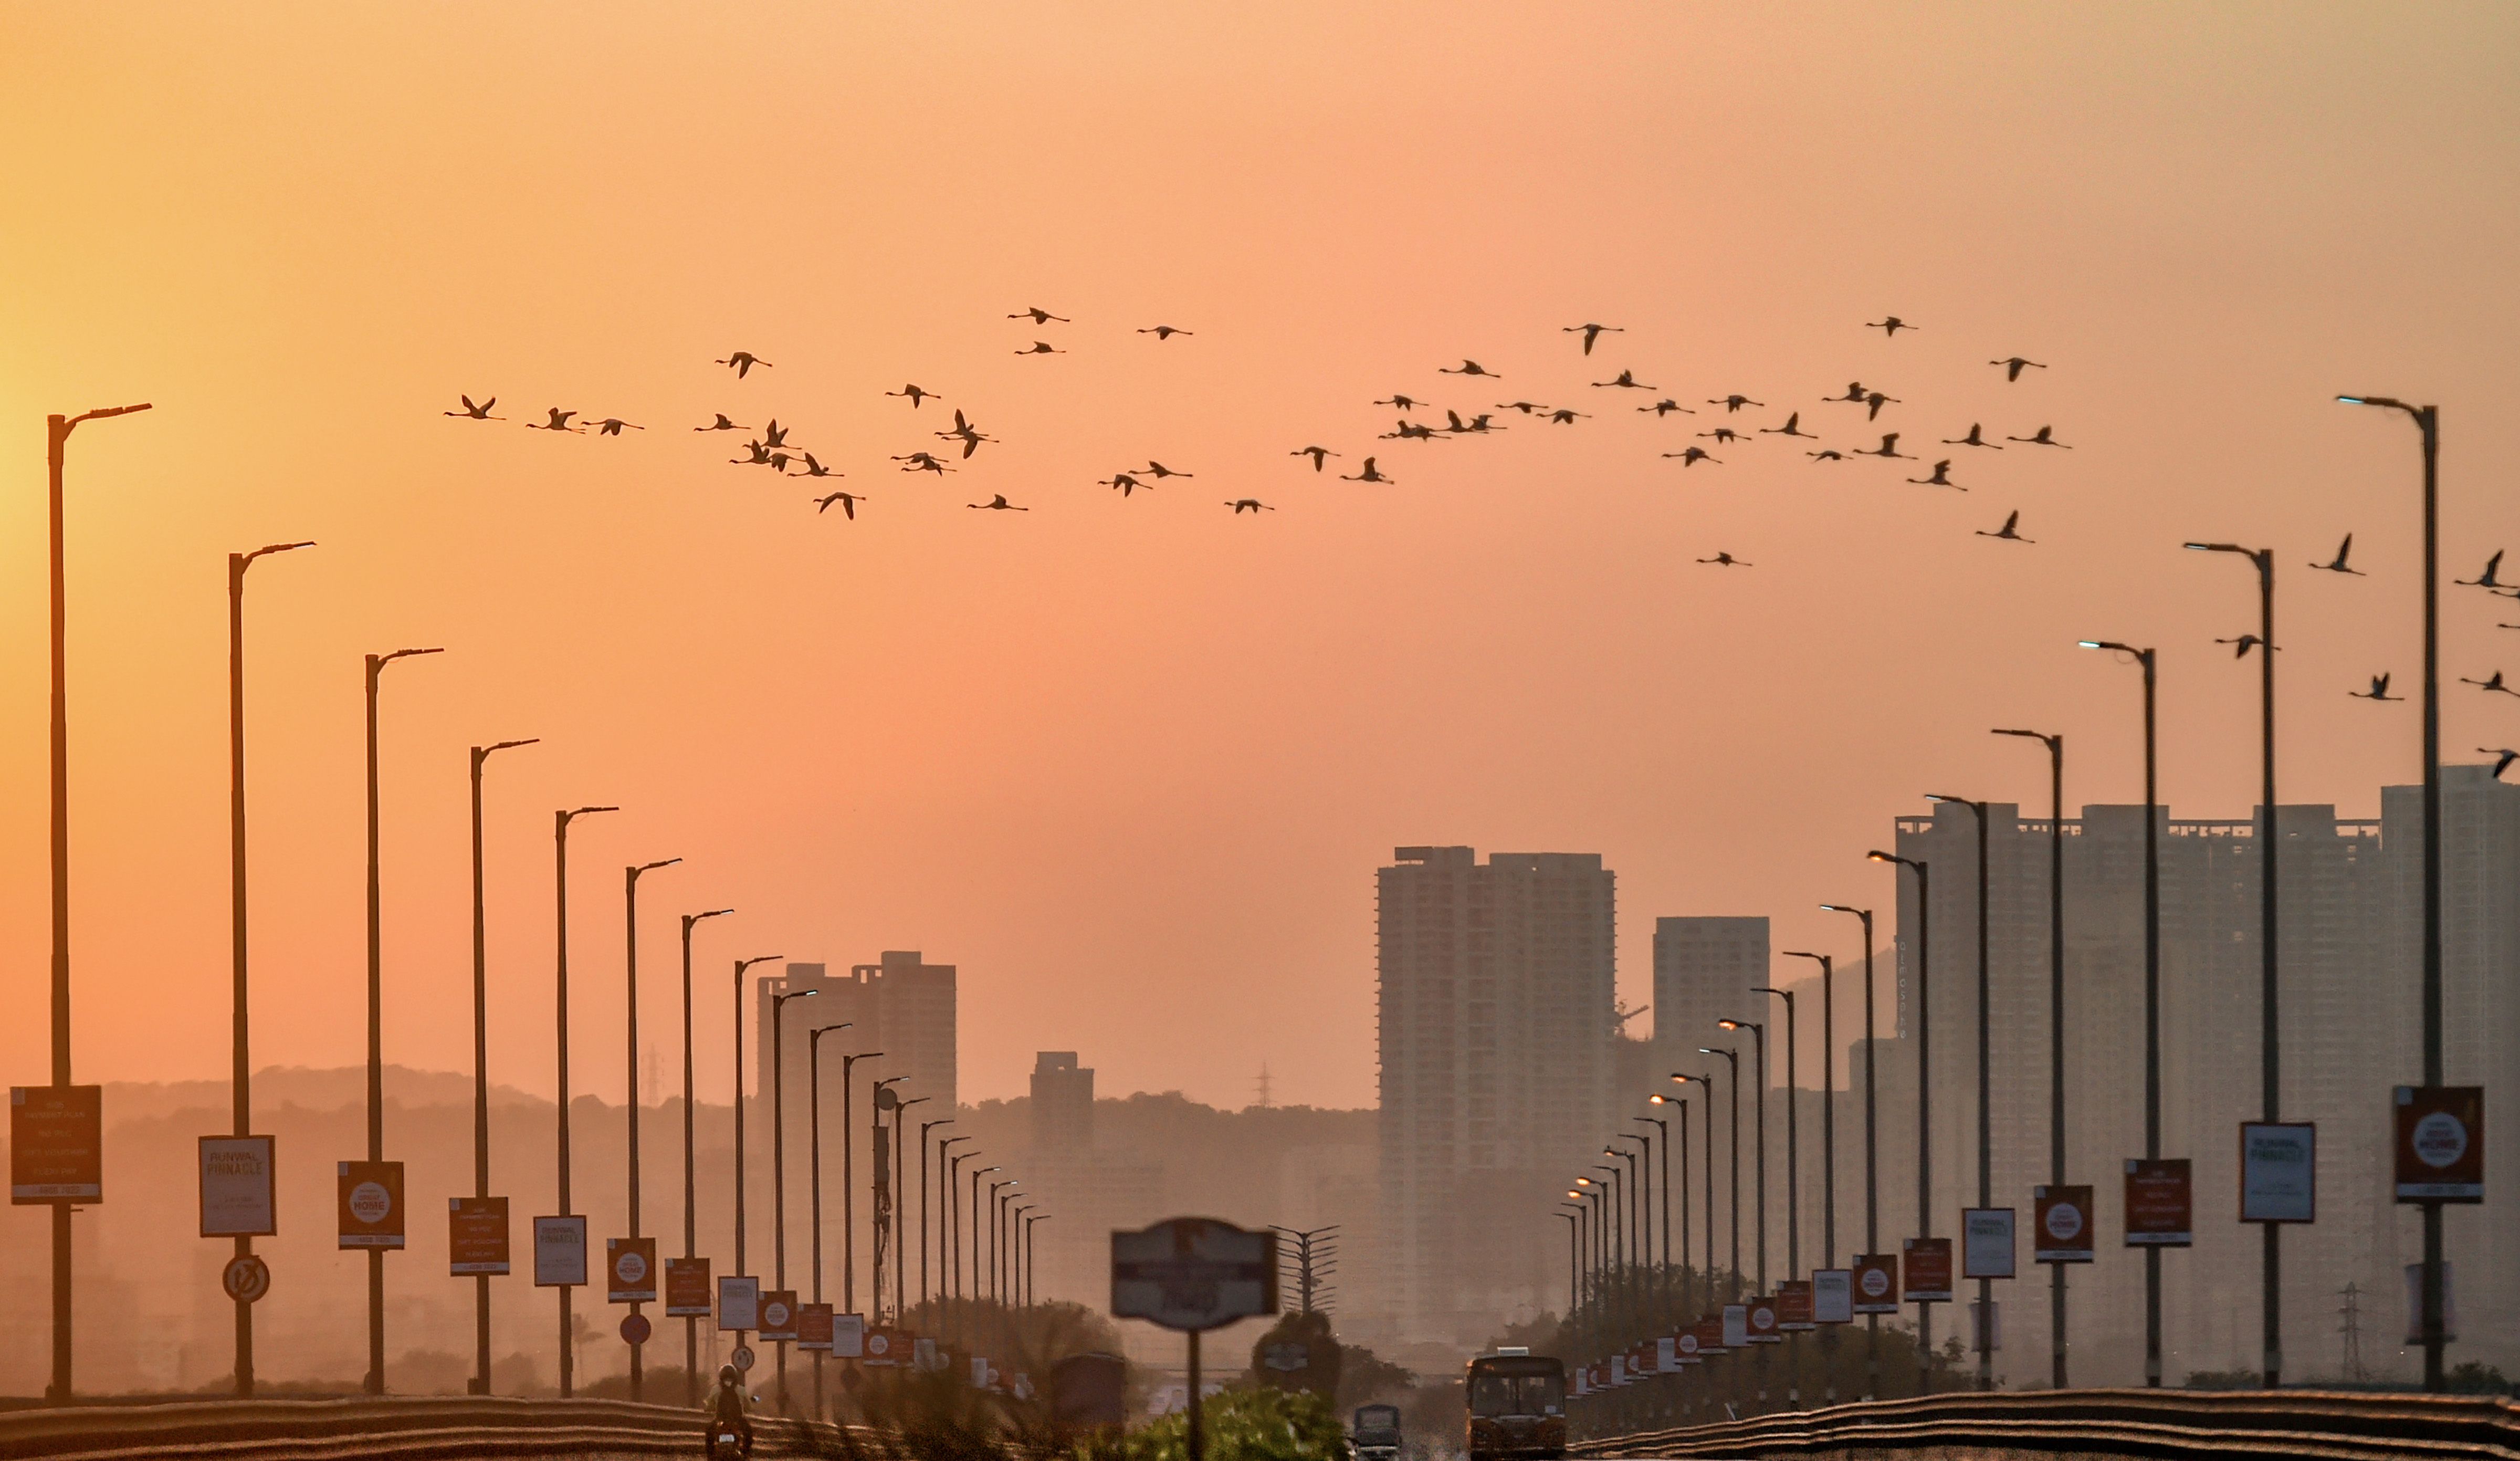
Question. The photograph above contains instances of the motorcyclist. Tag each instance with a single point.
(727, 1410)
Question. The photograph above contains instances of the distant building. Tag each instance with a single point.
(901, 1005)
(1703, 970)
(1062, 1103)
(1496, 1011)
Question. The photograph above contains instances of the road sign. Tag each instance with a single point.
(246, 1278)
(1986, 1243)
(371, 1212)
(2061, 1218)
(635, 1329)
(742, 1359)
(477, 1236)
(2441, 1144)
(630, 1266)
(559, 1252)
(848, 1335)
(813, 1328)
(1928, 1262)
(739, 1303)
(687, 1287)
(2279, 1172)
(1877, 1283)
(236, 1187)
(2160, 1203)
(56, 1143)
(1794, 1304)
(1833, 1296)
(778, 1314)
(1194, 1273)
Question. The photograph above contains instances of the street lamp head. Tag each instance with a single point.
(102, 412)
(1658, 1098)
(943, 1142)
(690, 919)
(2030, 735)
(890, 1079)
(778, 1000)
(1731, 1024)
(379, 661)
(649, 867)
(483, 750)
(913, 1100)
(981, 1171)
(1582, 1181)
(815, 1035)
(574, 814)
(1844, 909)
(740, 965)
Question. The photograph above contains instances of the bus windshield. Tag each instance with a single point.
(1515, 1395)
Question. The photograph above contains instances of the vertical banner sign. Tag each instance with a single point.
(848, 1335)
(1929, 1269)
(559, 1252)
(236, 1188)
(2415, 1304)
(1686, 1345)
(2160, 1203)
(739, 1304)
(687, 1287)
(1794, 1304)
(630, 1264)
(56, 1143)
(2441, 1144)
(1877, 1283)
(1710, 1337)
(1737, 1326)
(372, 1215)
(477, 1236)
(884, 1347)
(1667, 1355)
(1762, 1321)
(2279, 1172)
(2063, 1226)
(778, 1314)
(1986, 1243)
(1833, 1296)
(813, 1328)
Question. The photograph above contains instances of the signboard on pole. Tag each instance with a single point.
(739, 1303)
(1929, 1269)
(687, 1287)
(1986, 1243)
(236, 1188)
(630, 1264)
(1737, 1326)
(372, 1213)
(559, 1252)
(2279, 1172)
(813, 1328)
(1683, 1344)
(778, 1314)
(886, 1346)
(1833, 1296)
(848, 1335)
(1667, 1356)
(2160, 1203)
(1194, 1273)
(1761, 1321)
(2441, 1144)
(2062, 1216)
(1709, 1334)
(477, 1235)
(1876, 1283)
(1794, 1304)
(56, 1143)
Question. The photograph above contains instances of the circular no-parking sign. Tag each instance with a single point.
(635, 1329)
(742, 1359)
(247, 1279)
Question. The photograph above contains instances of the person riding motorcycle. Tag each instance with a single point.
(727, 1411)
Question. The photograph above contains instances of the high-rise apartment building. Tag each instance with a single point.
(901, 1005)
(1703, 970)
(1496, 1011)
(1062, 1103)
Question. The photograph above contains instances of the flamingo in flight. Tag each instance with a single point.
(1941, 478)
(1792, 427)
(914, 395)
(1369, 473)
(1693, 456)
(1627, 378)
(721, 424)
(2491, 686)
(2379, 690)
(1889, 325)
(1040, 316)
(2012, 366)
(1722, 560)
(1038, 347)
(559, 421)
(2040, 437)
(2507, 756)
(1164, 332)
(1592, 333)
(1665, 407)
(1973, 438)
(742, 363)
(1317, 453)
(848, 502)
(1467, 368)
(1253, 505)
(472, 412)
(2338, 564)
(1732, 403)
(998, 504)
(2011, 531)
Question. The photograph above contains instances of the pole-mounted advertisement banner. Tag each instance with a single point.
(1794, 1304)
(1832, 1292)
(1877, 1283)
(778, 1314)
(2063, 1224)
(372, 1210)
(2160, 1203)
(848, 1335)
(1928, 1262)
(813, 1328)
(1986, 1243)
(559, 1252)
(687, 1287)
(630, 1266)
(236, 1188)
(739, 1303)
(477, 1236)
(2279, 1172)
(56, 1144)
(2440, 1143)
(1737, 1326)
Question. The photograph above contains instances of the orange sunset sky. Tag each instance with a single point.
(1131, 763)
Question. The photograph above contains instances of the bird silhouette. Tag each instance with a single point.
(2379, 690)
(1527, 408)
(1038, 347)
(1040, 316)
(779, 461)
(2040, 437)
(1828, 454)
(1124, 483)
(2506, 757)
(2241, 646)
(775, 435)
(1592, 333)
(1453, 423)
(1369, 474)
(1889, 326)
(1724, 435)
(1566, 417)
(1732, 403)
(610, 426)
(1467, 368)
(1484, 422)
(1407, 431)
(1317, 453)
(2343, 549)
(2012, 367)
(998, 504)
(472, 412)
(914, 395)
(2011, 531)
(742, 362)
(1793, 427)
(1159, 471)
(1941, 478)
(1692, 456)
(1972, 439)
(1665, 407)
(1399, 402)
(559, 421)
(848, 502)
(1888, 449)
(920, 461)
(1627, 378)
(1874, 400)
(1164, 332)
(2491, 686)
(1722, 560)
(1854, 393)
(721, 424)
(2486, 578)
(758, 455)
(815, 469)
(1241, 505)
(967, 434)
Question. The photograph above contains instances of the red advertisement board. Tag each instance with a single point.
(777, 1315)
(2441, 1144)
(1928, 1262)
(813, 1328)
(56, 1143)
(1794, 1304)
(1877, 1283)
(687, 1287)
(630, 1269)
(372, 1210)
(2062, 1219)
(477, 1235)
(2160, 1203)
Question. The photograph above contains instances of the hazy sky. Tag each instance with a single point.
(1131, 763)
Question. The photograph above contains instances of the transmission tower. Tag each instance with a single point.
(1313, 1256)
(2350, 1325)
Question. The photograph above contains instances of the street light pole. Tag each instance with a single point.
(2269, 1048)
(2055, 1021)
(849, 1178)
(1759, 1047)
(995, 1294)
(813, 1168)
(1871, 1213)
(1793, 1135)
(1678, 1257)
(1985, 1098)
(923, 1128)
(1924, 1080)
(1574, 1257)
(481, 1065)
(57, 436)
(1706, 1170)
(690, 1187)
(779, 1165)
(1733, 1060)
(945, 1172)
(560, 864)
(979, 1277)
(901, 1206)
(630, 999)
(1663, 1283)
(742, 966)
(1032, 1264)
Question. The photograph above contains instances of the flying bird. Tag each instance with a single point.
(2379, 690)
(1040, 316)
(848, 502)
(2343, 549)
(2507, 756)
(1888, 449)
(721, 424)
(1972, 439)
(1854, 393)
(920, 461)
(472, 412)
(1827, 455)
(1164, 332)
(2010, 531)
(759, 455)
(815, 469)
(1159, 471)
(1874, 400)
(1527, 408)
(2241, 646)
(742, 362)
(1406, 430)
(2486, 578)
(1369, 474)
(1399, 402)
(2012, 367)
(914, 395)
(1241, 505)
(1941, 478)
(1124, 483)
(1467, 368)
(1592, 333)
(1889, 325)
(1628, 379)
(1732, 403)
(998, 504)
(2040, 437)
(1038, 347)
(610, 426)
(779, 461)
(1317, 453)
(967, 434)
(1792, 427)
(775, 435)
(1693, 456)
(2491, 686)
(559, 421)
(1724, 560)
(1665, 407)
(1566, 417)
(1724, 435)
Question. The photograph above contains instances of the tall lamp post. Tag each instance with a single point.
(2427, 421)
(690, 1187)
(630, 1071)
(779, 1163)
(996, 1294)
(741, 967)
(57, 436)
(1793, 1133)
(1015, 1211)
(1872, 1193)
(901, 1205)
(849, 1178)
(1639, 1211)
(560, 863)
(886, 1221)
(480, 1385)
(1679, 1255)
(239, 1070)
(2055, 1021)
(2270, 1047)
(1985, 1096)
(978, 1275)
(1733, 1148)
(944, 1208)
(813, 1170)
(923, 1128)
(1924, 1075)
(1662, 1127)
(1759, 1047)
(1574, 1256)
(1032, 1264)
